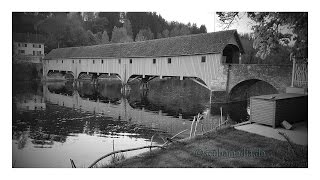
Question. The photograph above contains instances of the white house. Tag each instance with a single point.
(27, 48)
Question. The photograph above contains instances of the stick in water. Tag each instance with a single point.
(133, 149)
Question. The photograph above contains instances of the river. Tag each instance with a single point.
(58, 121)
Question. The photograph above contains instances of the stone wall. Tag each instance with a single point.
(279, 76)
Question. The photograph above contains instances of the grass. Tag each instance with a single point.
(115, 159)
(224, 148)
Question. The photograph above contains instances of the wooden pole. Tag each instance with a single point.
(151, 142)
(293, 69)
(194, 118)
(113, 148)
(220, 116)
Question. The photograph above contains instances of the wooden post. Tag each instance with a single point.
(209, 113)
(220, 116)
(293, 69)
(113, 148)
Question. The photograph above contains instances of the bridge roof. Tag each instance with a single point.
(196, 44)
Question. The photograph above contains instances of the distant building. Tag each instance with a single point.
(28, 48)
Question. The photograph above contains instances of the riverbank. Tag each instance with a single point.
(224, 148)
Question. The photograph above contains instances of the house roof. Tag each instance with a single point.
(27, 38)
(207, 43)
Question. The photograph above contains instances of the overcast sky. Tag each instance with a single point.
(209, 19)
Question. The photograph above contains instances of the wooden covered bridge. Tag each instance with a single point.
(205, 58)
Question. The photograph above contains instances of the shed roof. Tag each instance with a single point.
(273, 97)
(206, 43)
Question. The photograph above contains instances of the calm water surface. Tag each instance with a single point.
(56, 122)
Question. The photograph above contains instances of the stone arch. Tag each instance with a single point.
(250, 87)
(231, 53)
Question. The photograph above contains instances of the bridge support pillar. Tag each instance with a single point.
(218, 96)
(181, 78)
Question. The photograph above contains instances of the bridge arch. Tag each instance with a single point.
(69, 75)
(250, 87)
(231, 53)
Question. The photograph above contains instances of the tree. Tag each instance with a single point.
(92, 39)
(105, 38)
(144, 34)
(203, 29)
(119, 35)
(273, 30)
(175, 31)
(179, 30)
(98, 37)
(165, 33)
(113, 19)
(184, 30)
(128, 27)
(54, 27)
(75, 35)
(280, 57)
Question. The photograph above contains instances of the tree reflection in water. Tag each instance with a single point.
(73, 109)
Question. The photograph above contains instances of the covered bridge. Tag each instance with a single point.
(200, 57)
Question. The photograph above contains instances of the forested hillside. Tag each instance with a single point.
(63, 29)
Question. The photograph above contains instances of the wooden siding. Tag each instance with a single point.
(262, 111)
(286, 107)
(181, 66)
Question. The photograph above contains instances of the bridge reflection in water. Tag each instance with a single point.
(168, 106)
(80, 120)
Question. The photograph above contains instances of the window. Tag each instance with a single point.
(130, 61)
(93, 61)
(72, 61)
(19, 44)
(101, 61)
(62, 61)
(36, 45)
(34, 53)
(119, 60)
(38, 52)
(79, 61)
(21, 51)
(25, 45)
(169, 60)
(154, 61)
(203, 59)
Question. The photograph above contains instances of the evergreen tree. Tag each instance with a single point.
(144, 34)
(92, 38)
(119, 35)
(128, 27)
(105, 38)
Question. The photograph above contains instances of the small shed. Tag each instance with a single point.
(272, 109)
